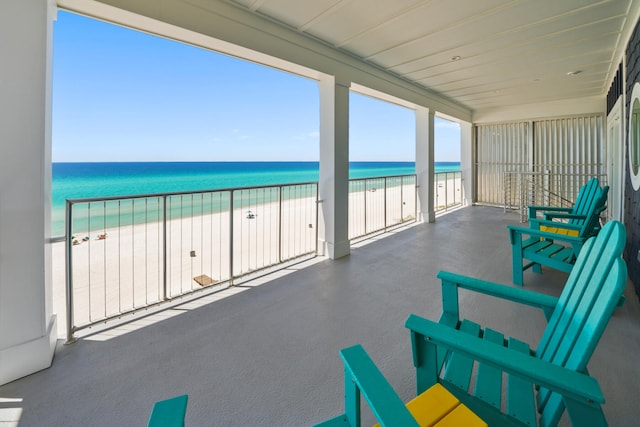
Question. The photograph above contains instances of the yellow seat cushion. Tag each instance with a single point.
(557, 230)
(436, 407)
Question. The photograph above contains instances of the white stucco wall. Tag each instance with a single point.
(466, 161)
(334, 168)
(27, 325)
(425, 137)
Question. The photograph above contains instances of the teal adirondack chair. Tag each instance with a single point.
(585, 224)
(436, 407)
(453, 352)
(585, 195)
(556, 371)
(552, 243)
(169, 413)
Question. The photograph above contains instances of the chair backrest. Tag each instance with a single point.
(592, 211)
(584, 308)
(585, 198)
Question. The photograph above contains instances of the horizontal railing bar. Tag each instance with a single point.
(183, 193)
(381, 177)
(220, 190)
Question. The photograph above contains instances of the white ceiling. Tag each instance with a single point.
(510, 52)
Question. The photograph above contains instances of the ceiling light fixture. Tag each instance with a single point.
(574, 73)
(456, 58)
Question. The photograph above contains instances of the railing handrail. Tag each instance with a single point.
(183, 193)
(382, 177)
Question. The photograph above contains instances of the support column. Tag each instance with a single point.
(467, 162)
(425, 122)
(27, 324)
(334, 168)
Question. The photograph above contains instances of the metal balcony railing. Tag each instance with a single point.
(376, 204)
(129, 253)
(448, 191)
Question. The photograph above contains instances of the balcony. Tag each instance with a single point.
(265, 353)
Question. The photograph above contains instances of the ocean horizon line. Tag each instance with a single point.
(245, 161)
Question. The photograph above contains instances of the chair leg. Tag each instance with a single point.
(516, 257)
(537, 268)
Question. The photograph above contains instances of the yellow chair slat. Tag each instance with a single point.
(557, 230)
(461, 416)
(436, 407)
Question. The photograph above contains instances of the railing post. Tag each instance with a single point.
(402, 199)
(461, 188)
(385, 203)
(280, 225)
(415, 197)
(446, 191)
(231, 238)
(316, 224)
(436, 190)
(164, 248)
(365, 206)
(69, 273)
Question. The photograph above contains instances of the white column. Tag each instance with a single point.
(466, 162)
(425, 120)
(334, 168)
(27, 324)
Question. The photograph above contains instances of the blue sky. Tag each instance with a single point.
(123, 95)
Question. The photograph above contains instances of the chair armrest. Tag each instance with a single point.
(452, 282)
(536, 223)
(570, 384)
(550, 215)
(518, 295)
(533, 210)
(387, 407)
(515, 231)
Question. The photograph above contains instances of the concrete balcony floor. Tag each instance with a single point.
(268, 356)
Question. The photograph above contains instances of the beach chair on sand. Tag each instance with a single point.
(470, 362)
(169, 413)
(552, 243)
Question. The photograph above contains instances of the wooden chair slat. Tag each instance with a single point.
(489, 378)
(520, 400)
(459, 367)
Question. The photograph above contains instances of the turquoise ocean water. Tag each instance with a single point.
(82, 180)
